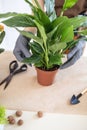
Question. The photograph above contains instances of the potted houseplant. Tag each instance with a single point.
(3, 119)
(54, 36)
(2, 34)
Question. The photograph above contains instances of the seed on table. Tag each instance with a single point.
(12, 121)
(20, 122)
(40, 114)
(10, 117)
(18, 113)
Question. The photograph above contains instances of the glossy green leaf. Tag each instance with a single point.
(64, 30)
(2, 35)
(33, 8)
(57, 47)
(37, 4)
(42, 31)
(57, 25)
(38, 13)
(83, 32)
(67, 35)
(55, 59)
(78, 21)
(9, 14)
(36, 48)
(43, 18)
(32, 36)
(33, 59)
(1, 50)
(20, 20)
(69, 3)
(58, 21)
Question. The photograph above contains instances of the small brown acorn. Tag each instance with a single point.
(18, 113)
(40, 114)
(11, 119)
(20, 122)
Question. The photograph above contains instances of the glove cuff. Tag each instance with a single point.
(24, 38)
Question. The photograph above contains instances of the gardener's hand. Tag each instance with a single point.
(74, 54)
(21, 48)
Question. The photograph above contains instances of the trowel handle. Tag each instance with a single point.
(84, 91)
(79, 95)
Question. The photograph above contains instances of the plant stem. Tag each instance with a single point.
(61, 14)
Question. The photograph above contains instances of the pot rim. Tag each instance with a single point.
(49, 70)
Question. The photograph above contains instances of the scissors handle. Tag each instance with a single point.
(21, 69)
(13, 66)
(13, 70)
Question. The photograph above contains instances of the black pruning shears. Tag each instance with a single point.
(13, 71)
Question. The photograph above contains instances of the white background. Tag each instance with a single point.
(11, 34)
(12, 6)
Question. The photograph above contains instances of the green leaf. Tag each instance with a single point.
(37, 4)
(39, 13)
(83, 32)
(57, 25)
(70, 45)
(33, 59)
(20, 20)
(30, 4)
(33, 8)
(67, 35)
(9, 14)
(32, 36)
(58, 21)
(64, 30)
(55, 59)
(42, 31)
(78, 21)
(43, 18)
(57, 47)
(1, 50)
(69, 3)
(2, 35)
(52, 33)
(36, 48)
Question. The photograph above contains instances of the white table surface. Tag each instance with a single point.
(49, 121)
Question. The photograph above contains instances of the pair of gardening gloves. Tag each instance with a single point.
(21, 51)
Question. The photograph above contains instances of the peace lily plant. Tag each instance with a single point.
(54, 34)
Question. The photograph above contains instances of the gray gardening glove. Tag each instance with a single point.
(74, 54)
(21, 48)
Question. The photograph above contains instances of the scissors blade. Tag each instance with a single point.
(4, 80)
(8, 81)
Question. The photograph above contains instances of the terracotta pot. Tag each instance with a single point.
(45, 78)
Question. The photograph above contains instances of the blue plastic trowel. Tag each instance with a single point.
(75, 99)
